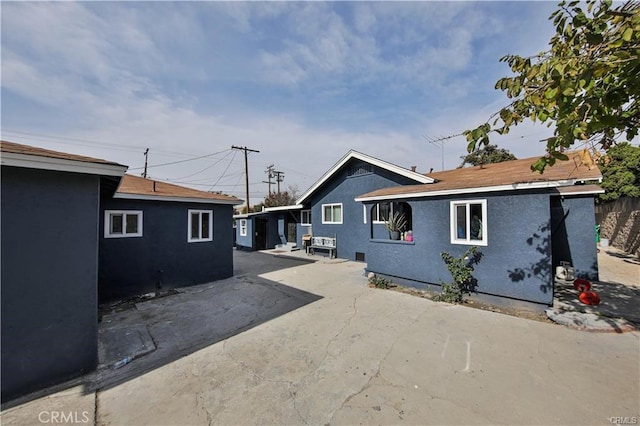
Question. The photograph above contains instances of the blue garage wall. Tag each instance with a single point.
(574, 239)
(49, 277)
(516, 263)
(162, 256)
(353, 234)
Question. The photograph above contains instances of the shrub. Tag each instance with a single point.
(461, 269)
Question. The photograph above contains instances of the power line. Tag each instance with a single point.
(65, 140)
(206, 168)
(182, 161)
(225, 171)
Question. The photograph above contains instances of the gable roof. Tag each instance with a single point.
(505, 176)
(20, 155)
(418, 177)
(138, 188)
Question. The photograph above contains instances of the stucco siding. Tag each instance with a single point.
(49, 277)
(516, 261)
(353, 234)
(162, 258)
(244, 242)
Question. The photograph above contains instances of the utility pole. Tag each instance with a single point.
(146, 157)
(246, 169)
(279, 178)
(270, 175)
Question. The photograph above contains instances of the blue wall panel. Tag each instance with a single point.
(245, 242)
(353, 234)
(516, 262)
(162, 257)
(49, 277)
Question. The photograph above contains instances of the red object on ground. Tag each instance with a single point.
(581, 284)
(590, 298)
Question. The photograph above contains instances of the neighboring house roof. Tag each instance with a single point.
(505, 176)
(417, 177)
(138, 188)
(19, 155)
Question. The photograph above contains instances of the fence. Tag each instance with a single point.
(620, 222)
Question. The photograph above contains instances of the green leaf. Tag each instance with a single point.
(626, 36)
(551, 92)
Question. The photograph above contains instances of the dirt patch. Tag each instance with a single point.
(514, 312)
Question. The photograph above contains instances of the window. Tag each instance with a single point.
(468, 222)
(122, 223)
(200, 226)
(332, 213)
(243, 227)
(305, 217)
(380, 212)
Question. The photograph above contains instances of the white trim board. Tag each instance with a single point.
(419, 178)
(498, 188)
(62, 165)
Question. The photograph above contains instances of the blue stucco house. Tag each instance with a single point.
(524, 223)
(157, 236)
(76, 231)
(328, 208)
(50, 209)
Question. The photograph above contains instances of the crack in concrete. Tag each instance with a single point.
(200, 401)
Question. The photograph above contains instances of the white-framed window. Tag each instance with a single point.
(122, 223)
(380, 212)
(305, 218)
(200, 226)
(332, 213)
(469, 222)
(243, 227)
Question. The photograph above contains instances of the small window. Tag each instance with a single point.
(332, 213)
(305, 217)
(380, 212)
(200, 226)
(468, 222)
(243, 227)
(122, 223)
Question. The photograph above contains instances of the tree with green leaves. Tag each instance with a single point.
(486, 155)
(620, 172)
(586, 84)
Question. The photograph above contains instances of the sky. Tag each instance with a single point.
(300, 82)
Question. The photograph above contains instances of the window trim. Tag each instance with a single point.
(302, 222)
(124, 213)
(189, 224)
(452, 222)
(243, 227)
(324, 219)
(377, 220)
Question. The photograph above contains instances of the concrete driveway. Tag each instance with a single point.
(357, 355)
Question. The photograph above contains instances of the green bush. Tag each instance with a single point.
(461, 269)
(379, 282)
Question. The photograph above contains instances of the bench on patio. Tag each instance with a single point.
(323, 243)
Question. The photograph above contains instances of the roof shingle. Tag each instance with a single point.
(495, 175)
(134, 185)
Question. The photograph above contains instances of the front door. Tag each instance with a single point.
(261, 233)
